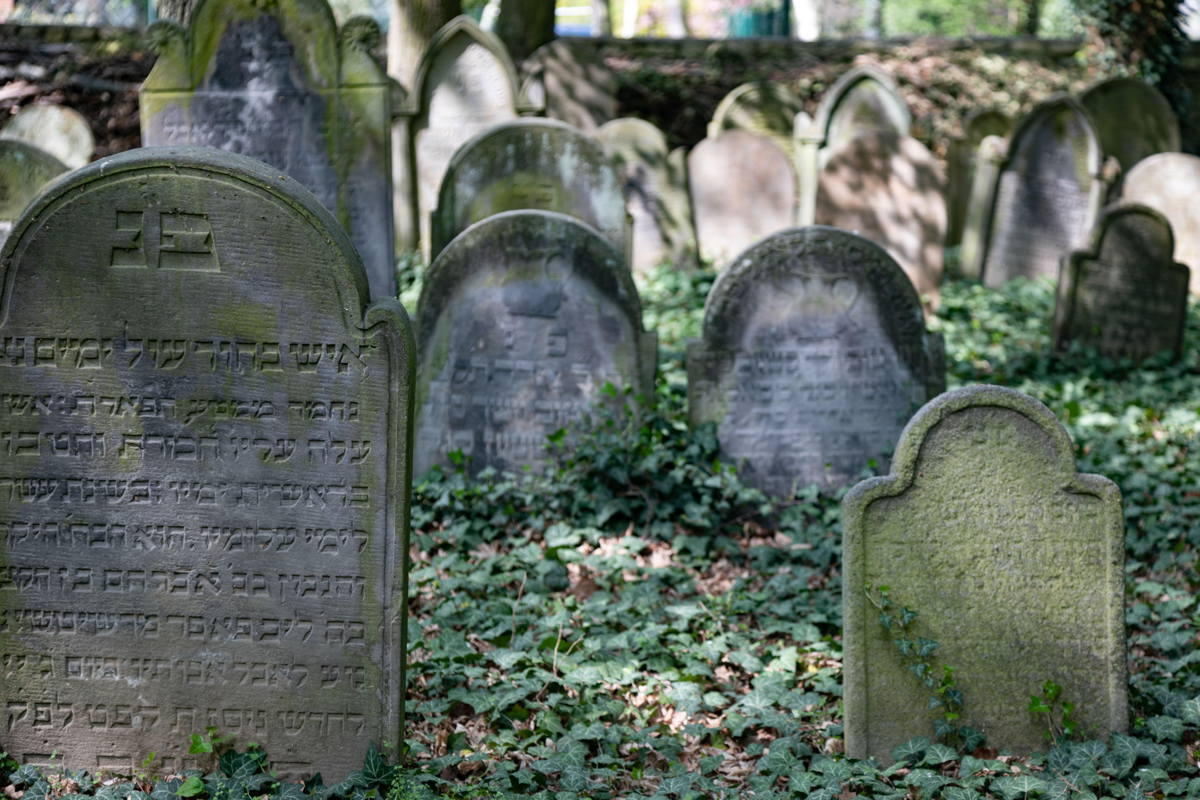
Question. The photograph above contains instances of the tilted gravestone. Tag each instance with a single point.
(892, 191)
(813, 356)
(1124, 296)
(1132, 119)
(1170, 183)
(762, 107)
(281, 83)
(1012, 562)
(743, 188)
(465, 83)
(204, 472)
(24, 170)
(538, 164)
(655, 189)
(1047, 196)
(522, 321)
(60, 131)
(961, 162)
(572, 83)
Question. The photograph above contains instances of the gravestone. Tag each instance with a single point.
(24, 170)
(1132, 118)
(743, 188)
(655, 189)
(1013, 563)
(538, 164)
(813, 356)
(205, 472)
(1048, 194)
(892, 191)
(573, 84)
(762, 107)
(60, 131)
(1170, 183)
(1124, 296)
(961, 161)
(281, 83)
(522, 320)
(465, 83)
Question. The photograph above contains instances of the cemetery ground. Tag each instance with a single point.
(639, 624)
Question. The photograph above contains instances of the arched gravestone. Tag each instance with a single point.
(522, 320)
(961, 163)
(1132, 119)
(762, 107)
(1048, 194)
(538, 164)
(465, 83)
(655, 189)
(204, 473)
(813, 356)
(1013, 563)
(1124, 296)
(63, 132)
(24, 170)
(280, 83)
(743, 188)
(1170, 183)
(892, 191)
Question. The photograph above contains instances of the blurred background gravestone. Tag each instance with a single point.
(60, 131)
(1170, 183)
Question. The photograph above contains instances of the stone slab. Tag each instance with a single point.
(60, 131)
(1170, 183)
(813, 356)
(1132, 119)
(522, 320)
(204, 473)
(961, 160)
(24, 170)
(1013, 562)
(1124, 296)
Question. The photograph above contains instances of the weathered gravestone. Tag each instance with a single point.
(60, 131)
(522, 320)
(961, 163)
(1013, 563)
(538, 164)
(281, 83)
(743, 188)
(572, 83)
(465, 83)
(1132, 119)
(1124, 296)
(892, 191)
(1048, 194)
(762, 107)
(1170, 184)
(655, 189)
(203, 472)
(24, 170)
(814, 355)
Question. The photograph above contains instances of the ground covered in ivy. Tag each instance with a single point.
(638, 624)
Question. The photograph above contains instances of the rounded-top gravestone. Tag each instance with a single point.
(1170, 183)
(204, 476)
(1132, 119)
(24, 170)
(60, 131)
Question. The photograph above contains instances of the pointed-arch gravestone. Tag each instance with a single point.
(522, 320)
(762, 107)
(813, 356)
(1012, 562)
(279, 82)
(204, 473)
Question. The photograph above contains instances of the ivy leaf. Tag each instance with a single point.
(912, 750)
(939, 754)
(191, 787)
(1165, 729)
(1020, 786)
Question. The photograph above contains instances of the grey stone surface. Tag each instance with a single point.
(656, 194)
(522, 320)
(1132, 119)
(204, 473)
(24, 170)
(574, 86)
(1048, 194)
(762, 107)
(538, 164)
(1170, 183)
(1125, 296)
(281, 83)
(60, 131)
(743, 188)
(961, 160)
(864, 100)
(813, 356)
(1013, 562)
(892, 191)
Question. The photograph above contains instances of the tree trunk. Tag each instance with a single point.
(675, 19)
(174, 10)
(1033, 17)
(414, 22)
(525, 25)
(874, 19)
(601, 18)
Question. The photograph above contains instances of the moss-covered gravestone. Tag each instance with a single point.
(1124, 296)
(276, 80)
(24, 170)
(204, 455)
(813, 357)
(538, 164)
(1132, 119)
(522, 320)
(1013, 564)
(961, 161)
(1170, 183)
